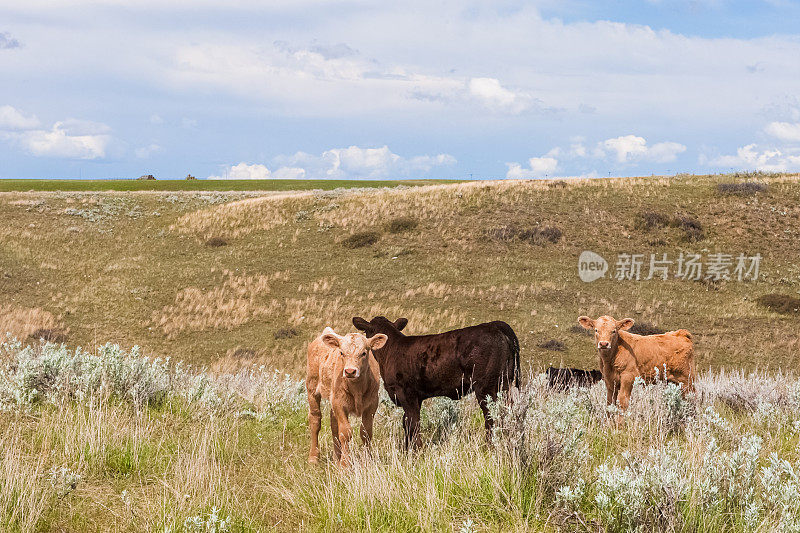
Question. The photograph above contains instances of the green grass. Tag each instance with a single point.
(200, 185)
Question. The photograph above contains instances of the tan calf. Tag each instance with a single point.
(624, 355)
(343, 370)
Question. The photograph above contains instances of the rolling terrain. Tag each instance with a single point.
(198, 432)
(226, 278)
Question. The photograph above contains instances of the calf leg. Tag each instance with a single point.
(345, 433)
(366, 426)
(337, 448)
(314, 424)
(625, 389)
(483, 401)
(411, 425)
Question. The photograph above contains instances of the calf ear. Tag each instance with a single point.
(586, 322)
(400, 323)
(360, 323)
(377, 342)
(625, 323)
(330, 338)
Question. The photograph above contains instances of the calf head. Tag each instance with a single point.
(354, 348)
(380, 324)
(606, 330)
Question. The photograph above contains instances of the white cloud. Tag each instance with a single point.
(156, 119)
(495, 96)
(59, 142)
(343, 163)
(146, 151)
(538, 168)
(14, 120)
(633, 148)
(244, 171)
(68, 139)
(751, 157)
(785, 131)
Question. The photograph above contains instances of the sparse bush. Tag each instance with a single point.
(243, 353)
(648, 220)
(285, 333)
(361, 239)
(557, 184)
(690, 225)
(538, 236)
(746, 188)
(580, 330)
(216, 242)
(401, 224)
(646, 328)
(52, 373)
(780, 303)
(554, 345)
(54, 335)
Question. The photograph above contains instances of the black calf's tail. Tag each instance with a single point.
(512, 338)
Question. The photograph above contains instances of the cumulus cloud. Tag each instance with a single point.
(14, 120)
(489, 92)
(342, 163)
(752, 157)
(245, 171)
(630, 148)
(539, 167)
(369, 163)
(7, 42)
(68, 139)
(58, 142)
(785, 131)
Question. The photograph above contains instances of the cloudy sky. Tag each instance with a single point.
(376, 89)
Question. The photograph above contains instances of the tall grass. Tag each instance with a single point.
(110, 439)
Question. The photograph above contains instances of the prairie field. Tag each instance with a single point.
(155, 344)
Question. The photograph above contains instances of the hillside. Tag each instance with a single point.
(226, 278)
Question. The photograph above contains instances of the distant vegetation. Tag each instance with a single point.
(191, 184)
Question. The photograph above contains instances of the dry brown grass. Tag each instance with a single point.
(236, 301)
(22, 322)
(235, 219)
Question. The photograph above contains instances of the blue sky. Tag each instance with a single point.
(366, 89)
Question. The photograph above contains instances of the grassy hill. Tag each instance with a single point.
(110, 439)
(226, 278)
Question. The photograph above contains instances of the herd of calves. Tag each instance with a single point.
(346, 369)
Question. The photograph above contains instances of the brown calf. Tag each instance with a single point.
(342, 369)
(624, 356)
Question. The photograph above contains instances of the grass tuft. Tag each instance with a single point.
(746, 188)
(401, 224)
(553, 345)
(538, 236)
(361, 239)
(285, 333)
(780, 303)
(216, 242)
